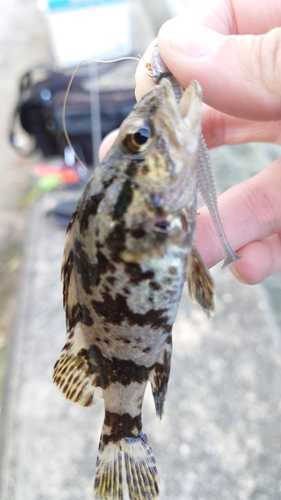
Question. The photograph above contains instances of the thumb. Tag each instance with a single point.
(239, 74)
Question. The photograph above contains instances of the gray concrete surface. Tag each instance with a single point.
(23, 42)
(220, 437)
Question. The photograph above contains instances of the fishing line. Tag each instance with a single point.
(68, 90)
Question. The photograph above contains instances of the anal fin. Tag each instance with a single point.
(159, 378)
(200, 283)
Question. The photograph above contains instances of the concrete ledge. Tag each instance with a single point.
(220, 436)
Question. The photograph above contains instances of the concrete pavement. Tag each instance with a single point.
(220, 437)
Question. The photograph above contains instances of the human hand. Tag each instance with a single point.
(239, 76)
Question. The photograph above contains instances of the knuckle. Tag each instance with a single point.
(270, 61)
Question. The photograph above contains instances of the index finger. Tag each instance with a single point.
(239, 71)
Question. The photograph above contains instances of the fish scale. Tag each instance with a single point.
(129, 249)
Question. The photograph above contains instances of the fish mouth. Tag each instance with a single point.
(160, 224)
(171, 207)
(166, 224)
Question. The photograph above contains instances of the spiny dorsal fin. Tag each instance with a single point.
(67, 268)
(73, 372)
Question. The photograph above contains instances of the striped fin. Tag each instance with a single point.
(126, 470)
(74, 374)
(159, 377)
(67, 263)
(200, 283)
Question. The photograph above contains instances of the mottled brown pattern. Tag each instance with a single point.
(112, 370)
(200, 283)
(116, 310)
(116, 242)
(135, 273)
(123, 201)
(80, 313)
(104, 264)
(121, 426)
(160, 379)
(87, 270)
(129, 248)
(89, 210)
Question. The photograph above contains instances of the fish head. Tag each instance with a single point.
(153, 161)
(160, 141)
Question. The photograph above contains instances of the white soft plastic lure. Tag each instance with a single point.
(205, 177)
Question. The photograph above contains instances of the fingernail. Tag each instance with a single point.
(192, 40)
(235, 274)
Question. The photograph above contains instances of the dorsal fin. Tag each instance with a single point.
(73, 372)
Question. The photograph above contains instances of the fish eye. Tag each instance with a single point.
(141, 136)
(140, 140)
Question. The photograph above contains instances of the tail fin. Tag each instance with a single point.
(126, 470)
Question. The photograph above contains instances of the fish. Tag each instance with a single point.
(158, 70)
(130, 247)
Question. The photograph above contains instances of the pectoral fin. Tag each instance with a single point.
(200, 283)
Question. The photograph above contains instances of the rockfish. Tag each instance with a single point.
(129, 250)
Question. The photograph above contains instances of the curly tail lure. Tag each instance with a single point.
(205, 177)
